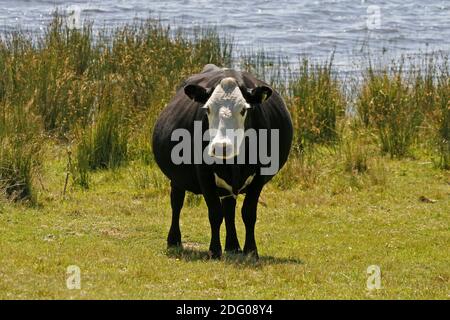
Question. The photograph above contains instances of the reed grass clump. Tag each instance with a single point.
(63, 70)
(442, 118)
(97, 89)
(103, 145)
(355, 157)
(17, 164)
(387, 102)
(20, 154)
(273, 69)
(316, 103)
(407, 104)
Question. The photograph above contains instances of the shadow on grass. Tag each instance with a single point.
(191, 254)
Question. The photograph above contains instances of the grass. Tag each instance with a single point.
(313, 93)
(91, 92)
(76, 117)
(16, 169)
(442, 119)
(103, 146)
(19, 153)
(316, 104)
(401, 105)
(387, 103)
(314, 242)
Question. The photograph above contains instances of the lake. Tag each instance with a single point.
(291, 28)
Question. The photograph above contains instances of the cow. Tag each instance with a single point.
(223, 101)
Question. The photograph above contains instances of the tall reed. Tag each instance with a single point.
(442, 118)
(316, 103)
(407, 102)
(20, 155)
(386, 101)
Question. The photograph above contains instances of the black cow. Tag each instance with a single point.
(225, 101)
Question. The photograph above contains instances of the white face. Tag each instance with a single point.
(226, 110)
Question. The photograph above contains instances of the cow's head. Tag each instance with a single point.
(227, 107)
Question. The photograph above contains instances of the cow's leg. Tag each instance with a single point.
(249, 217)
(215, 213)
(176, 201)
(231, 240)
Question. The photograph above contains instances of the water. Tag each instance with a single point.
(288, 27)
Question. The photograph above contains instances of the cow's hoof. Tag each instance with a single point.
(252, 254)
(215, 254)
(176, 245)
(174, 241)
(233, 250)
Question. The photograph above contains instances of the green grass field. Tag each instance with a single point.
(364, 188)
(314, 243)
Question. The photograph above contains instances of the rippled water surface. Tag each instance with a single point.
(316, 28)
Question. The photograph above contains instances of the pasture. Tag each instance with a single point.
(79, 185)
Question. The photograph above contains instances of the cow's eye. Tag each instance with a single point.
(243, 111)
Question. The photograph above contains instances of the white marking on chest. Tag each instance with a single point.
(247, 182)
(224, 185)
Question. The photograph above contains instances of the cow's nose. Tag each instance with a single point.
(222, 149)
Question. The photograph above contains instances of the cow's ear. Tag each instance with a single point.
(258, 95)
(197, 93)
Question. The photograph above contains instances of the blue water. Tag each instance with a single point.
(288, 27)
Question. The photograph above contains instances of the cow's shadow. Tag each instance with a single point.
(190, 254)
